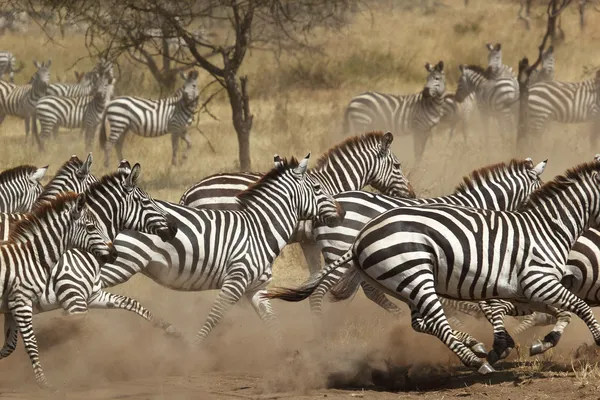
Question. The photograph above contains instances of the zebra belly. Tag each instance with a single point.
(583, 268)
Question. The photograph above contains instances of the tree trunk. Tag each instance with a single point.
(523, 79)
(240, 113)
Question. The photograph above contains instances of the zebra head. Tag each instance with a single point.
(41, 78)
(72, 176)
(436, 80)
(534, 172)
(102, 88)
(494, 55)
(189, 90)
(88, 233)
(139, 211)
(389, 178)
(470, 77)
(35, 189)
(20, 187)
(314, 202)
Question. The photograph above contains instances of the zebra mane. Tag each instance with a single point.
(267, 178)
(484, 174)
(13, 173)
(559, 184)
(19, 229)
(485, 72)
(364, 140)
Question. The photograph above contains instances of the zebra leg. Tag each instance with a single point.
(119, 145)
(11, 334)
(495, 311)
(175, 147)
(262, 307)
(562, 318)
(535, 319)
(188, 142)
(22, 311)
(106, 300)
(420, 140)
(232, 290)
(379, 298)
(433, 322)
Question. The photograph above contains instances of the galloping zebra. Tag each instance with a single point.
(8, 65)
(416, 113)
(546, 73)
(20, 187)
(73, 112)
(421, 252)
(564, 102)
(495, 187)
(151, 118)
(228, 250)
(32, 250)
(494, 96)
(20, 101)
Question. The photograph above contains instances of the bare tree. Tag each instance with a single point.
(145, 30)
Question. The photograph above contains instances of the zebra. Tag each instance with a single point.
(28, 256)
(564, 102)
(73, 112)
(416, 113)
(228, 250)
(546, 73)
(421, 252)
(496, 69)
(8, 65)
(494, 96)
(20, 100)
(151, 118)
(498, 187)
(20, 187)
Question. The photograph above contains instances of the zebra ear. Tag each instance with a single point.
(301, 168)
(48, 63)
(529, 163)
(489, 46)
(277, 161)
(183, 75)
(539, 169)
(428, 67)
(386, 141)
(38, 174)
(597, 158)
(461, 68)
(124, 166)
(79, 205)
(498, 47)
(440, 66)
(131, 180)
(36, 64)
(87, 165)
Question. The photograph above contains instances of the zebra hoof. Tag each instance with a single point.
(537, 347)
(492, 357)
(486, 369)
(505, 353)
(479, 350)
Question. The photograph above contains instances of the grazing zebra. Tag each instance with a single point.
(546, 73)
(20, 187)
(151, 118)
(495, 187)
(8, 65)
(20, 100)
(495, 96)
(421, 252)
(73, 112)
(564, 102)
(416, 113)
(26, 259)
(228, 250)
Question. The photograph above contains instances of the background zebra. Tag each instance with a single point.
(151, 118)
(8, 65)
(20, 187)
(417, 253)
(20, 101)
(416, 113)
(546, 73)
(228, 250)
(33, 248)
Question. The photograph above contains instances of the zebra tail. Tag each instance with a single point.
(347, 286)
(102, 135)
(308, 287)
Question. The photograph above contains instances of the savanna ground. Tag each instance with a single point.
(298, 104)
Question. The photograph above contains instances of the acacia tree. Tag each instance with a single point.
(146, 30)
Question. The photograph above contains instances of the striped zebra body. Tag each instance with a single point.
(496, 187)
(8, 65)
(49, 231)
(219, 191)
(413, 114)
(419, 253)
(20, 187)
(228, 250)
(150, 118)
(564, 102)
(454, 113)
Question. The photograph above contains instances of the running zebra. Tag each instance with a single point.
(8, 65)
(416, 113)
(564, 102)
(421, 252)
(20, 100)
(228, 250)
(33, 248)
(495, 96)
(151, 118)
(73, 112)
(496, 187)
(546, 73)
(20, 187)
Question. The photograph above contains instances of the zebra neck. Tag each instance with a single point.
(342, 174)
(43, 253)
(38, 90)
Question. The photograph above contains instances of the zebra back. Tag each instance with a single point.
(20, 187)
(497, 94)
(74, 176)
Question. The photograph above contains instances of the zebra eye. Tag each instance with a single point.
(90, 228)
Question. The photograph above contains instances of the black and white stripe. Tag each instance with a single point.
(228, 250)
(8, 65)
(421, 252)
(546, 73)
(150, 118)
(20, 187)
(413, 114)
(34, 246)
